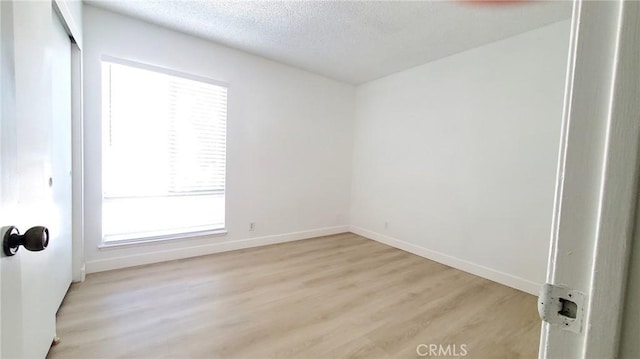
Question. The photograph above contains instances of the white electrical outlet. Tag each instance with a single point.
(252, 226)
(386, 225)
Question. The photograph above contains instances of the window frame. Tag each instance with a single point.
(163, 235)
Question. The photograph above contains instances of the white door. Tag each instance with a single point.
(35, 165)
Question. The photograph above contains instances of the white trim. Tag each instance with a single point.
(68, 21)
(618, 193)
(70, 24)
(129, 240)
(195, 251)
(509, 280)
(597, 182)
(163, 70)
(83, 273)
(77, 164)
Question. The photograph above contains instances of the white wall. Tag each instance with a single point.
(289, 141)
(459, 156)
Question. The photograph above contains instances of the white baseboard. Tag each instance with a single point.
(78, 275)
(509, 280)
(83, 273)
(194, 251)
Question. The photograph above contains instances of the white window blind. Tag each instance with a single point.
(164, 153)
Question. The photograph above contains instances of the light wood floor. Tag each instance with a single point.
(340, 296)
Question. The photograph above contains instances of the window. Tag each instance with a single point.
(164, 153)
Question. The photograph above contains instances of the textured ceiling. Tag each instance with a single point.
(351, 41)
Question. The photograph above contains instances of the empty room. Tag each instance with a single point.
(319, 179)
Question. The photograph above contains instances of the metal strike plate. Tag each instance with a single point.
(562, 306)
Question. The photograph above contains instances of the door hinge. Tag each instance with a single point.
(562, 306)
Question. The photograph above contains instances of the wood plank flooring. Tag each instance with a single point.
(339, 296)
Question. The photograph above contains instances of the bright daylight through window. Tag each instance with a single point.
(164, 153)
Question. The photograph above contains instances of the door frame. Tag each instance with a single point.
(1, 114)
(597, 180)
(71, 18)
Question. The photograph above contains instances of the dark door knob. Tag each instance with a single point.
(34, 239)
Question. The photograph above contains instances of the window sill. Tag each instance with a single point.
(139, 241)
